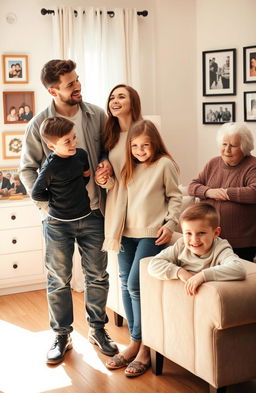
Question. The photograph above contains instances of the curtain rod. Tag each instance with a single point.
(44, 11)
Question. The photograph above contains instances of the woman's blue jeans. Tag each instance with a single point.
(60, 238)
(133, 250)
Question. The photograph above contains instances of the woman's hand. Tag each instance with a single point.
(217, 193)
(101, 176)
(164, 235)
(105, 166)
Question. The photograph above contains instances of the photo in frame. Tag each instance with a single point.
(218, 112)
(249, 54)
(250, 106)
(17, 190)
(15, 68)
(12, 144)
(219, 72)
(9, 172)
(18, 106)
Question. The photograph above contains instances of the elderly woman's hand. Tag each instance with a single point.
(217, 193)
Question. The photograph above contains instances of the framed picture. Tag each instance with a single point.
(219, 72)
(17, 190)
(9, 172)
(218, 112)
(12, 144)
(249, 64)
(18, 106)
(15, 69)
(250, 106)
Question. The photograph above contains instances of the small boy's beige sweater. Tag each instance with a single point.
(219, 264)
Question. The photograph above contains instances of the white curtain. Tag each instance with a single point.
(105, 48)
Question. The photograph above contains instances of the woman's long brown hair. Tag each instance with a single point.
(144, 127)
(112, 129)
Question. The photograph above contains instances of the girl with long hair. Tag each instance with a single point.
(141, 226)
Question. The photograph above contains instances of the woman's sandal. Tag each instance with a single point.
(140, 368)
(119, 361)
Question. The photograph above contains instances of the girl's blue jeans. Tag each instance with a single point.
(133, 250)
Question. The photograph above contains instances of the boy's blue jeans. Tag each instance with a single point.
(133, 249)
(59, 241)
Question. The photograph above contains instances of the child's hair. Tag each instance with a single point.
(54, 128)
(201, 211)
(144, 127)
(16, 177)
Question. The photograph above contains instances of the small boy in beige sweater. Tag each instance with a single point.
(199, 255)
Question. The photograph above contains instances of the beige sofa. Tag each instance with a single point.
(212, 334)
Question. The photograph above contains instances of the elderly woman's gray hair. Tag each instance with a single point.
(247, 141)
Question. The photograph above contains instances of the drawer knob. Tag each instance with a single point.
(15, 266)
(13, 217)
(14, 241)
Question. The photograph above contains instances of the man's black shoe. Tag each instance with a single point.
(101, 338)
(62, 343)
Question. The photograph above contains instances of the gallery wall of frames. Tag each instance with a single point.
(18, 108)
(219, 80)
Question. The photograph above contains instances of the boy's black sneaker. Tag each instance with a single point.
(61, 344)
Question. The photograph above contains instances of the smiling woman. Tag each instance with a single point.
(228, 182)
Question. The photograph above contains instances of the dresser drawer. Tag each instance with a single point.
(21, 264)
(20, 240)
(19, 217)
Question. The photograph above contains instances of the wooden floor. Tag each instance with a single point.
(25, 339)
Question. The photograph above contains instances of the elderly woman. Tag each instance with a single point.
(229, 183)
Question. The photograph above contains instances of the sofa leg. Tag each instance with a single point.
(212, 389)
(156, 362)
(118, 319)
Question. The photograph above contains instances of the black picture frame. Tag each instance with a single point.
(219, 72)
(249, 57)
(226, 112)
(250, 106)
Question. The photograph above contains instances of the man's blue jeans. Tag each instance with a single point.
(60, 238)
(133, 250)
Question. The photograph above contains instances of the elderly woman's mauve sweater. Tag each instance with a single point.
(237, 215)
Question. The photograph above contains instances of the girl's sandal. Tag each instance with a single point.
(140, 368)
(119, 362)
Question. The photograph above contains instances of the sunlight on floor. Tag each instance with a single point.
(22, 360)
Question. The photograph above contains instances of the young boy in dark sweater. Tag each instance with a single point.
(62, 184)
(64, 174)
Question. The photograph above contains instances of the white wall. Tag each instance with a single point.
(29, 35)
(176, 79)
(222, 24)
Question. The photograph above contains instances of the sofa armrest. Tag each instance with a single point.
(232, 303)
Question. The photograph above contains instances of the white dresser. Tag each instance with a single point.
(21, 247)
